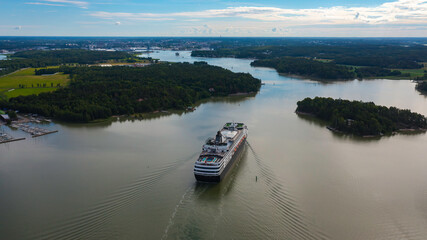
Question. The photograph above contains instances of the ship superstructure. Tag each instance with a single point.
(219, 153)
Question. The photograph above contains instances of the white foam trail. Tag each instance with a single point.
(171, 219)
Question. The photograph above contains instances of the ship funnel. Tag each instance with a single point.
(218, 138)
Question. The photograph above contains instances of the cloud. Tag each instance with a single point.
(18, 28)
(257, 29)
(45, 4)
(62, 3)
(132, 16)
(117, 23)
(400, 11)
(274, 29)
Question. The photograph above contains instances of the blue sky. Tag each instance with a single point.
(272, 18)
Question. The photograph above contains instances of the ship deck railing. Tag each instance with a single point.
(219, 154)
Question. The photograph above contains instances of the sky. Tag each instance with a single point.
(213, 18)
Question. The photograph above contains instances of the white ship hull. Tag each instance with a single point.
(216, 161)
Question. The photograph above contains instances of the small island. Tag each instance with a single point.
(361, 118)
(325, 69)
(329, 60)
(307, 67)
(422, 86)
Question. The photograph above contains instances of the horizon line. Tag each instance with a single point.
(204, 37)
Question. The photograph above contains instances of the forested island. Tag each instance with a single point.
(361, 118)
(100, 92)
(422, 86)
(356, 54)
(322, 70)
(306, 67)
(333, 61)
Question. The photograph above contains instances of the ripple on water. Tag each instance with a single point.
(204, 210)
(86, 224)
(292, 220)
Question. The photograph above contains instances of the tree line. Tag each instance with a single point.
(43, 71)
(97, 92)
(361, 118)
(324, 70)
(360, 54)
(306, 67)
(41, 58)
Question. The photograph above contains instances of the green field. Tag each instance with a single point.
(27, 78)
(323, 60)
(414, 72)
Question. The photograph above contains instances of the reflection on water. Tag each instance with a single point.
(229, 99)
(132, 178)
(158, 115)
(340, 136)
(312, 120)
(94, 125)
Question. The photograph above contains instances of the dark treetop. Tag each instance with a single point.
(360, 118)
(100, 92)
(306, 67)
(422, 86)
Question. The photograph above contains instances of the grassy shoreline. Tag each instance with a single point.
(24, 82)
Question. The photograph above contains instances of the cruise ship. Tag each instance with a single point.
(220, 153)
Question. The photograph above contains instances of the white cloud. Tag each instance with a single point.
(117, 23)
(45, 4)
(80, 4)
(400, 11)
(256, 29)
(133, 16)
(18, 28)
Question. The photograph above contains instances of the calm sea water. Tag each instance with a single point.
(2, 57)
(295, 179)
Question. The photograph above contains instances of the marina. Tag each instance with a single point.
(22, 122)
(34, 131)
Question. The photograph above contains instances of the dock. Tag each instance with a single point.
(4, 138)
(24, 123)
(45, 133)
(11, 140)
(34, 131)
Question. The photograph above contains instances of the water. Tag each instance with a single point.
(295, 179)
(2, 57)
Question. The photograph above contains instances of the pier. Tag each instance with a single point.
(5, 138)
(34, 131)
(45, 133)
